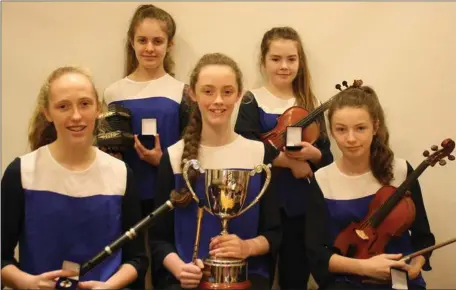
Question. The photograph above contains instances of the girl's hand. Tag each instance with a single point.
(307, 152)
(379, 267)
(150, 156)
(229, 246)
(190, 274)
(94, 285)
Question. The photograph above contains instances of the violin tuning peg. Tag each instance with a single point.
(434, 147)
(345, 84)
(442, 162)
(339, 87)
(426, 153)
(451, 157)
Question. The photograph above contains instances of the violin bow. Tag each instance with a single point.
(428, 249)
(411, 256)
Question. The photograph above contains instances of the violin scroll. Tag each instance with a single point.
(356, 84)
(448, 146)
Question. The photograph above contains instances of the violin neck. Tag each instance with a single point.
(377, 218)
(309, 119)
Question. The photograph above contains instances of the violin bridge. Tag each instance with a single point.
(361, 234)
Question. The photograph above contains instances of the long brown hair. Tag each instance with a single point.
(148, 11)
(41, 131)
(381, 155)
(192, 133)
(301, 84)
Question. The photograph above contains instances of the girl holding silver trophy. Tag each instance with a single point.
(230, 161)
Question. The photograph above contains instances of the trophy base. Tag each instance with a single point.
(225, 286)
(224, 273)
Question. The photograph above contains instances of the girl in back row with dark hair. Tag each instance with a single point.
(285, 67)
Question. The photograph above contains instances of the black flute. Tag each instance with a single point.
(176, 199)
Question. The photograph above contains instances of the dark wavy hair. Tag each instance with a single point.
(381, 157)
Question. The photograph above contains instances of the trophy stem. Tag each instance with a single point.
(224, 226)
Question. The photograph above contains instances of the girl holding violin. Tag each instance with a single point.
(343, 191)
(284, 64)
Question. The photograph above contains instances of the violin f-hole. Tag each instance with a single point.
(371, 244)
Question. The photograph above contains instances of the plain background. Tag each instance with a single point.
(405, 51)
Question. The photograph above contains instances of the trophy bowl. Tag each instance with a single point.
(226, 193)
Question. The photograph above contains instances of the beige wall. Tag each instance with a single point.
(406, 51)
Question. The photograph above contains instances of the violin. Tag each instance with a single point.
(391, 212)
(297, 116)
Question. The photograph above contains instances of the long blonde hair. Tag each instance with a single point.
(41, 131)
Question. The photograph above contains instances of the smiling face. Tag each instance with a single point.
(216, 93)
(150, 43)
(281, 62)
(73, 109)
(353, 129)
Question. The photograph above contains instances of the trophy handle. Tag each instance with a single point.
(258, 169)
(197, 166)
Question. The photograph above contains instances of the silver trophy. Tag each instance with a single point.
(226, 192)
